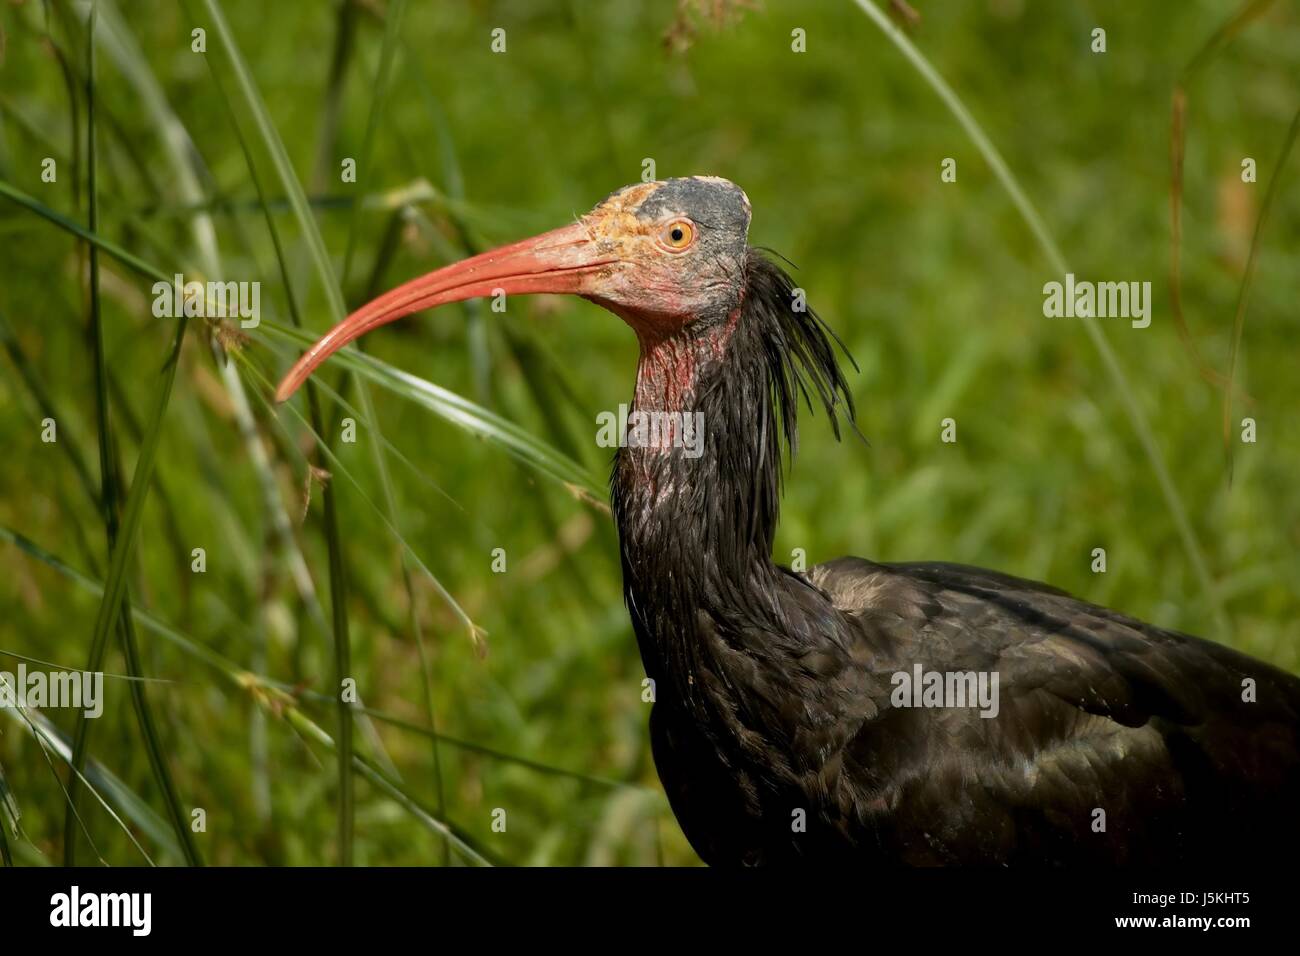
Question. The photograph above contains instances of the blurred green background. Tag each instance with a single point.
(936, 289)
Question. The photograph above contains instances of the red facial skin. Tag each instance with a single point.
(665, 378)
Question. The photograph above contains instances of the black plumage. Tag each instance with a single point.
(773, 688)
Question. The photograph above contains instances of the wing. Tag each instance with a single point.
(1113, 740)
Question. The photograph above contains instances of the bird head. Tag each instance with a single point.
(660, 255)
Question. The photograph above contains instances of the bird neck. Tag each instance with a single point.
(696, 485)
(698, 478)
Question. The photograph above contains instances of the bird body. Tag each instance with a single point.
(810, 716)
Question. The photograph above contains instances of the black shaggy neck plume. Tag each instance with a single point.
(697, 533)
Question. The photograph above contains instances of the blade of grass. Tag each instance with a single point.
(26, 716)
(70, 86)
(179, 148)
(476, 338)
(117, 251)
(334, 295)
(458, 837)
(97, 778)
(392, 36)
(273, 695)
(9, 816)
(543, 376)
(55, 665)
(1173, 501)
(46, 408)
(397, 453)
(392, 32)
(45, 404)
(333, 538)
(183, 157)
(1177, 149)
(118, 609)
(487, 751)
(129, 259)
(148, 269)
(107, 499)
(280, 158)
(316, 247)
(337, 468)
(239, 677)
(1247, 280)
(466, 415)
(129, 149)
(344, 34)
(532, 451)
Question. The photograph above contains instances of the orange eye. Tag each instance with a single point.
(677, 235)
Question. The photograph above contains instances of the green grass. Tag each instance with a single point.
(475, 431)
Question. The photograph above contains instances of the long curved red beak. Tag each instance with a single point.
(563, 260)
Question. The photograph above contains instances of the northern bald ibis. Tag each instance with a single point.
(900, 713)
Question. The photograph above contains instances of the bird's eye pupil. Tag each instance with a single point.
(677, 234)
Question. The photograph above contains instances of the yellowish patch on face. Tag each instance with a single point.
(615, 220)
(631, 197)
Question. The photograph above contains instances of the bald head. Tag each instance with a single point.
(681, 244)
